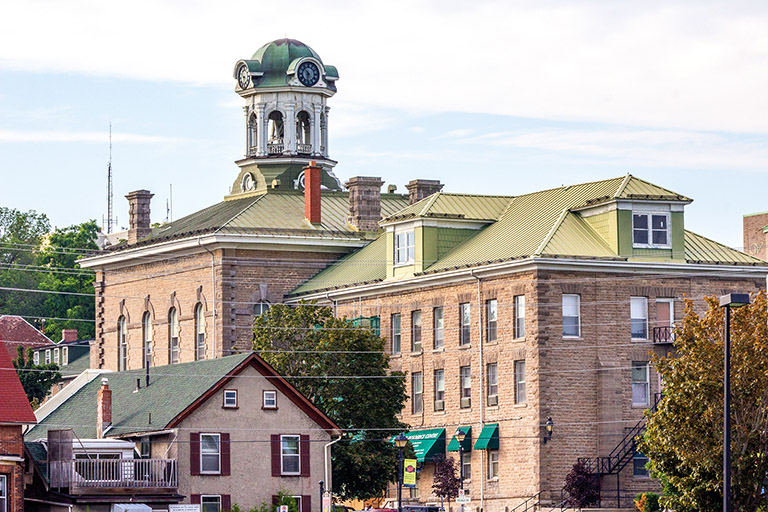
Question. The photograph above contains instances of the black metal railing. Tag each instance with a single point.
(665, 334)
(529, 504)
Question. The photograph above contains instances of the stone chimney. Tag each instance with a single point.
(419, 189)
(103, 408)
(312, 179)
(754, 237)
(364, 202)
(138, 212)
(68, 335)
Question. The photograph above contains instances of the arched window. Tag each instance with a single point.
(276, 133)
(303, 140)
(260, 308)
(173, 336)
(253, 132)
(199, 333)
(122, 342)
(146, 329)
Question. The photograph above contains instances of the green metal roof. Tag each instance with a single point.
(275, 58)
(699, 249)
(457, 206)
(466, 445)
(427, 444)
(172, 389)
(488, 438)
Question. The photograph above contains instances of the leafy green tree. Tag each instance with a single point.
(59, 253)
(36, 384)
(308, 341)
(684, 438)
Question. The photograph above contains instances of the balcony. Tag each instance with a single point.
(304, 149)
(664, 335)
(275, 147)
(90, 476)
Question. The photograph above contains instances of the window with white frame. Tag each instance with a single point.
(405, 247)
(416, 331)
(640, 383)
(3, 493)
(210, 503)
(290, 459)
(638, 307)
(396, 333)
(439, 390)
(260, 308)
(269, 400)
(48, 356)
(638, 465)
(56, 356)
(466, 385)
(122, 339)
(493, 464)
(467, 463)
(491, 319)
(465, 324)
(492, 371)
(665, 320)
(230, 398)
(199, 333)
(571, 315)
(520, 397)
(173, 336)
(210, 453)
(437, 324)
(146, 329)
(417, 393)
(36, 358)
(519, 302)
(650, 230)
(65, 356)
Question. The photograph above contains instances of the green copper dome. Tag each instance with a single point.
(275, 61)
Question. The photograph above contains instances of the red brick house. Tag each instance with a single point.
(17, 332)
(15, 412)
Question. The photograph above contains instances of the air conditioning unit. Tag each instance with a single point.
(493, 400)
(439, 405)
(466, 402)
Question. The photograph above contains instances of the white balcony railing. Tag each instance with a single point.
(304, 148)
(122, 473)
(275, 147)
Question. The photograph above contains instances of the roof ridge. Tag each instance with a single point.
(563, 187)
(552, 231)
(429, 203)
(623, 185)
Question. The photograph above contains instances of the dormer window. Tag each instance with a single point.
(405, 247)
(650, 230)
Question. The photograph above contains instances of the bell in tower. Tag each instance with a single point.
(285, 86)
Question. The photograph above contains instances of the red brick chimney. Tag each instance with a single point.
(138, 213)
(419, 189)
(68, 335)
(103, 408)
(312, 175)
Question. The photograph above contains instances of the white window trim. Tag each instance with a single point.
(203, 496)
(417, 397)
(48, 356)
(578, 307)
(65, 356)
(410, 256)
(647, 383)
(519, 300)
(496, 378)
(202, 471)
(671, 303)
(282, 455)
(399, 316)
(441, 381)
(519, 382)
(4, 493)
(230, 393)
(56, 358)
(264, 404)
(647, 327)
(650, 244)
(491, 476)
(36, 358)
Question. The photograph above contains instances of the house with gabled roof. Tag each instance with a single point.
(198, 433)
(16, 332)
(527, 321)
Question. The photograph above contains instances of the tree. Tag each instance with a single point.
(684, 437)
(37, 380)
(311, 347)
(581, 487)
(445, 484)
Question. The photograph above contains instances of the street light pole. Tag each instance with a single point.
(400, 442)
(460, 435)
(732, 300)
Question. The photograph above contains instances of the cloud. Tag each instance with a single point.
(13, 136)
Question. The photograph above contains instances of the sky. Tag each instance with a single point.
(489, 97)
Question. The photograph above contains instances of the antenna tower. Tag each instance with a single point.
(109, 184)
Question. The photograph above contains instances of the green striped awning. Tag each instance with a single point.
(427, 444)
(488, 438)
(453, 446)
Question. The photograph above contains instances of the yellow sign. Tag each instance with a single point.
(409, 473)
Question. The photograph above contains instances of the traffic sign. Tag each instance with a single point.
(463, 500)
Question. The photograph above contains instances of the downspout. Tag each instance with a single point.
(482, 386)
(326, 452)
(332, 301)
(213, 297)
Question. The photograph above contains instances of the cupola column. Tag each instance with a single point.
(325, 132)
(290, 128)
(261, 119)
(316, 128)
(248, 142)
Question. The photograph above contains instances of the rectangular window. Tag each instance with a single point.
(3, 493)
(571, 315)
(48, 356)
(493, 464)
(210, 453)
(439, 390)
(230, 398)
(145, 447)
(466, 386)
(438, 327)
(638, 465)
(493, 384)
(396, 333)
(417, 391)
(491, 319)
(520, 397)
(56, 356)
(665, 320)
(519, 316)
(650, 230)
(416, 331)
(269, 400)
(467, 465)
(405, 247)
(36, 358)
(65, 355)
(210, 503)
(640, 383)
(289, 455)
(638, 307)
(465, 321)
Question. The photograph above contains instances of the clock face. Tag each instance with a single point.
(308, 73)
(243, 78)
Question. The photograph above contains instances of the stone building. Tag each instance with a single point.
(529, 321)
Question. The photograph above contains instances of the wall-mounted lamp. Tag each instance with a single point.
(548, 427)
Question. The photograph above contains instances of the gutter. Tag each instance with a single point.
(482, 386)
(326, 452)
(46, 502)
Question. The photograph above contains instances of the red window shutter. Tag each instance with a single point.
(275, 443)
(304, 455)
(194, 454)
(306, 503)
(194, 499)
(226, 502)
(225, 456)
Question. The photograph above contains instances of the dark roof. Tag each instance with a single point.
(14, 405)
(39, 455)
(17, 332)
(174, 392)
(78, 365)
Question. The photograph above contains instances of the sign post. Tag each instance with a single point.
(326, 502)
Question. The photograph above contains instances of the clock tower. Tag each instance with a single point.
(285, 86)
